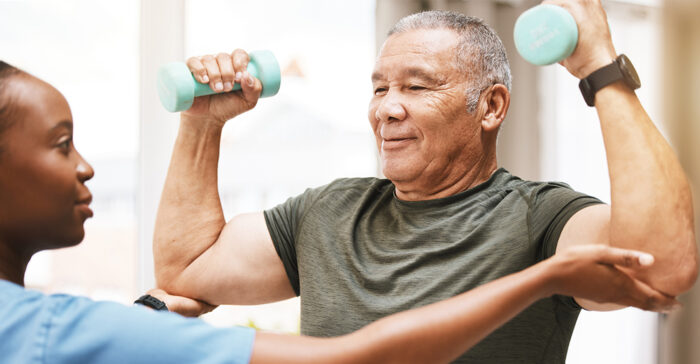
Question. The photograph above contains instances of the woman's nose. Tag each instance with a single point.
(84, 170)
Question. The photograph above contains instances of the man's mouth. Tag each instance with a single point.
(396, 143)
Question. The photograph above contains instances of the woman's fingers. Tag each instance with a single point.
(623, 257)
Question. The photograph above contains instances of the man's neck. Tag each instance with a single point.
(446, 187)
(13, 264)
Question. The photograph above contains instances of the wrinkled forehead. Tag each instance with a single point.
(436, 42)
(417, 52)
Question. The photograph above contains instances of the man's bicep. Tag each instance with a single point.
(590, 225)
(242, 267)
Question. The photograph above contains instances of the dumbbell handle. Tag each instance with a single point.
(177, 87)
(203, 89)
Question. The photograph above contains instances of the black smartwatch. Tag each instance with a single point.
(620, 69)
(152, 302)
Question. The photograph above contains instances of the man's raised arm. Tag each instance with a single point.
(197, 254)
(651, 206)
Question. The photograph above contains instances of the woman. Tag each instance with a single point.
(44, 203)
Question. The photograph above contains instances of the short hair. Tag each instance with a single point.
(7, 110)
(480, 52)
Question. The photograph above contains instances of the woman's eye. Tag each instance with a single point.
(65, 145)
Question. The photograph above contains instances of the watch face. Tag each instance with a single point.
(628, 71)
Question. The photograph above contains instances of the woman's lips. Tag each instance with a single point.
(84, 209)
(83, 205)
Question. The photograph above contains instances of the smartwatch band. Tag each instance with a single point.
(620, 69)
(152, 302)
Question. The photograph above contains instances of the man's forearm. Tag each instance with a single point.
(190, 217)
(651, 205)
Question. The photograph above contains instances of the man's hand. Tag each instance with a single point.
(221, 72)
(182, 305)
(595, 48)
(593, 272)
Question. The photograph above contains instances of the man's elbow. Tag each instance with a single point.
(683, 274)
(688, 275)
(170, 279)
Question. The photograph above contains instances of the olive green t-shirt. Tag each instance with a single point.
(355, 253)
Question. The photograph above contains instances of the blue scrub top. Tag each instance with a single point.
(36, 328)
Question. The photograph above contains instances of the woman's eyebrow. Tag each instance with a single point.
(65, 124)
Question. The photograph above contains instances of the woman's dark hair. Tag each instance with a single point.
(6, 110)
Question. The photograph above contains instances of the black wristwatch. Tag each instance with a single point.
(152, 302)
(620, 69)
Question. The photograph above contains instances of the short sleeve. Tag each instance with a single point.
(83, 331)
(283, 223)
(552, 205)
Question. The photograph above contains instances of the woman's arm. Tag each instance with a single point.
(440, 332)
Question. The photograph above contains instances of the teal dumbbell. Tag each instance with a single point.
(177, 87)
(545, 34)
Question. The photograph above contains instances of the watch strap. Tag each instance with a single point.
(152, 302)
(598, 79)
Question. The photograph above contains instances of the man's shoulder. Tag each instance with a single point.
(510, 181)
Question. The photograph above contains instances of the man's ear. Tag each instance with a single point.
(497, 100)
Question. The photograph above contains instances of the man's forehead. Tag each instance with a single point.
(420, 41)
(423, 53)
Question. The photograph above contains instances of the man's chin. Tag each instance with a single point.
(398, 174)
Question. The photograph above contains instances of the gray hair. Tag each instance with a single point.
(480, 52)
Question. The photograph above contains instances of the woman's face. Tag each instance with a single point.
(43, 198)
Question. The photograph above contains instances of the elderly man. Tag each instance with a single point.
(446, 219)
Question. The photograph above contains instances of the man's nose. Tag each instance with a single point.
(391, 108)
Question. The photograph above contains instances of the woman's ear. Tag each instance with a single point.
(497, 99)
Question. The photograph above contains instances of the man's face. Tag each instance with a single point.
(418, 112)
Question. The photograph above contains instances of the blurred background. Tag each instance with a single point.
(103, 56)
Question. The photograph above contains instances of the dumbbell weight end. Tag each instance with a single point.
(545, 34)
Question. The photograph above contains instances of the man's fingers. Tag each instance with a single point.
(240, 64)
(214, 73)
(226, 67)
(198, 70)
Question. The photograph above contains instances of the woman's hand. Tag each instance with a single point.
(184, 306)
(596, 273)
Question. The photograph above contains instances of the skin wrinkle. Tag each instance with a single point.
(451, 151)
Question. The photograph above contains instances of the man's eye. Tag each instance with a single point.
(416, 88)
(379, 90)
